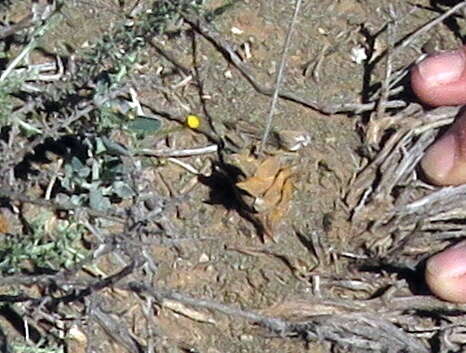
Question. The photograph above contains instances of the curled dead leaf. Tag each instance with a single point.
(266, 189)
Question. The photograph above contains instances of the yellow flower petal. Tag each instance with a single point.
(193, 121)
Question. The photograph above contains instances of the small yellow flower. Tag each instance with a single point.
(193, 121)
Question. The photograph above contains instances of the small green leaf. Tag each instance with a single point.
(97, 200)
(79, 167)
(122, 189)
(114, 147)
(99, 146)
(144, 124)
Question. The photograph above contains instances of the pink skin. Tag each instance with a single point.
(441, 80)
(446, 273)
(444, 163)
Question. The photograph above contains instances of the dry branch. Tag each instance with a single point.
(202, 27)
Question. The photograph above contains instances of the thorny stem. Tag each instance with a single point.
(77, 115)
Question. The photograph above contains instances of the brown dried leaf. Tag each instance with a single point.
(274, 195)
(274, 216)
(243, 161)
(268, 168)
(255, 186)
(263, 178)
(269, 189)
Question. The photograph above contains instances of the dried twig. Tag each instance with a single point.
(114, 327)
(188, 152)
(385, 89)
(85, 110)
(201, 26)
(279, 77)
(276, 325)
(361, 331)
(359, 325)
(397, 147)
(15, 196)
(427, 27)
(73, 294)
(37, 33)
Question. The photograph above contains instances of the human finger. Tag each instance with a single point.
(440, 79)
(444, 162)
(446, 273)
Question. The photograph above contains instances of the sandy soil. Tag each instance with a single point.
(211, 244)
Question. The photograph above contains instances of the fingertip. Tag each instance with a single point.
(439, 160)
(440, 79)
(446, 274)
(444, 162)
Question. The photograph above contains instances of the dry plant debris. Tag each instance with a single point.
(266, 188)
(107, 243)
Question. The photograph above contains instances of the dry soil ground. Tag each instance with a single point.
(310, 254)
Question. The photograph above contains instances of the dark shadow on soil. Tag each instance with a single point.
(17, 321)
(413, 277)
(223, 192)
(65, 147)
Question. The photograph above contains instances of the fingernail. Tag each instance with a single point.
(439, 159)
(442, 68)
